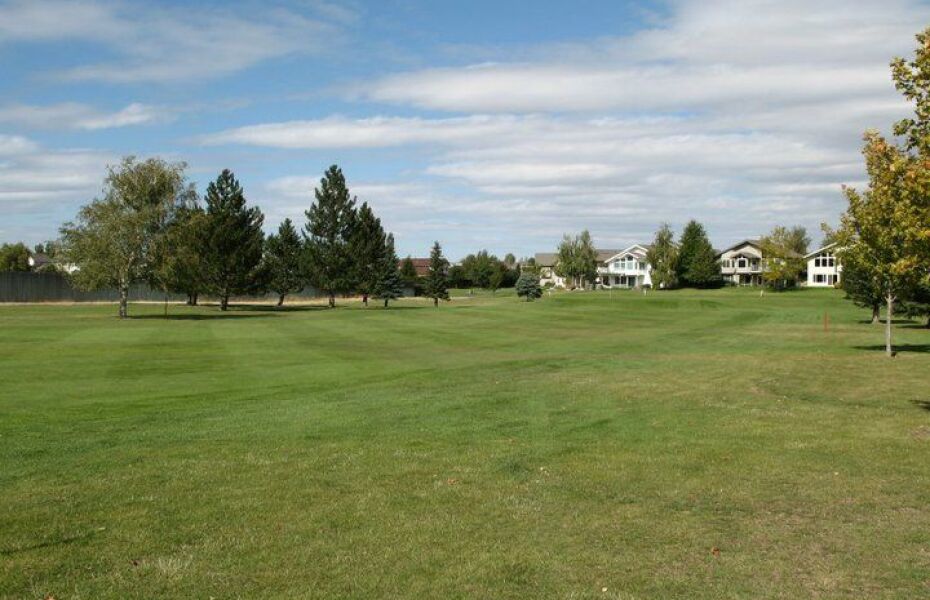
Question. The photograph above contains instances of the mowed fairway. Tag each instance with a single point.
(683, 444)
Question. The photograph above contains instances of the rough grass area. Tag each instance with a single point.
(589, 445)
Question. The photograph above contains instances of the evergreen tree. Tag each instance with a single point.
(408, 272)
(697, 262)
(862, 286)
(329, 231)
(283, 261)
(437, 280)
(179, 264)
(388, 286)
(663, 257)
(367, 248)
(528, 286)
(917, 303)
(233, 241)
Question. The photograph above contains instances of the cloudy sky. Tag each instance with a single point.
(483, 124)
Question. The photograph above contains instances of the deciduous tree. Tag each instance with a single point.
(783, 250)
(113, 237)
(14, 257)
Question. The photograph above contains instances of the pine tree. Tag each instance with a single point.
(697, 262)
(663, 257)
(329, 231)
(283, 258)
(367, 248)
(437, 280)
(233, 240)
(179, 263)
(389, 285)
(528, 286)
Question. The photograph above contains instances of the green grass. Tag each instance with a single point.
(487, 449)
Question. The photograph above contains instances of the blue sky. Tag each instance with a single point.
(498, 125)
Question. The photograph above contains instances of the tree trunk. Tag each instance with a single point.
(436, 302)
(365, 300)
(224, 302)
(332, 300)
(123, 301)
(876, 314)
(280, 299)
(888, 316)
(385, 303)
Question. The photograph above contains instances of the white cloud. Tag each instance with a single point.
(72, 115)
(162, 44)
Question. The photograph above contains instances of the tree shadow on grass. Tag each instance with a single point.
(904, 322)
(272, 308)
(924, 404)
(898, 348)
(63, 540)
(195, 316)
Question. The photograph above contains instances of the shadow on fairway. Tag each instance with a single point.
(271, 309)
(48, 543)
(904, 322)
(898, 348)
(197, 316)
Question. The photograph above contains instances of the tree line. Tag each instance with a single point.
(883, 240)
(151, 226)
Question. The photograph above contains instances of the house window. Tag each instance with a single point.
(742, 263)
(818, 278)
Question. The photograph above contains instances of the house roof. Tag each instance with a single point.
(819, 250)
(634, 249)
(754, 242)
(420, 264)
(40, 260)
(548, 259)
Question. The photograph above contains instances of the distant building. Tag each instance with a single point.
(420, 264)
(625, 268)
(823, 267)
(742, 263)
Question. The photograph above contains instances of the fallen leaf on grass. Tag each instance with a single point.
(715, 551)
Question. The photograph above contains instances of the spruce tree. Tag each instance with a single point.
(388, 286)
(697, 261)
(233, 240)
(528, 286)
(367, 248)
(283, 258)
(330, 225)
(663, 257)
(437, 280)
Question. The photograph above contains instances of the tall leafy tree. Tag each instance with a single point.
(783, 250)
(479, 268)
(577, 259)
(885, 229)
(437, 279)
(367, 249)
(233, 242)
(330, 226)
(14, 257)
(283, 261)
(113, 237)
(662, 255)
(389, 286)
(697, 262)
(917, 303)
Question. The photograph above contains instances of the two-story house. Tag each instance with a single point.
(626, 269)
(545, 262)
(823, 267)
(742, 264)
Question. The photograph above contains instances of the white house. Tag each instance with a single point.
(823, 268)
(741, 264)
(626, 269)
